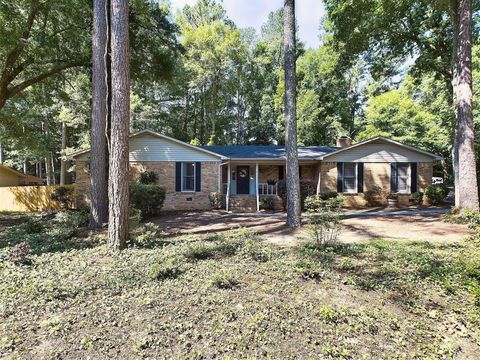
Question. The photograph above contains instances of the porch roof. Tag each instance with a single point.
(268, 152)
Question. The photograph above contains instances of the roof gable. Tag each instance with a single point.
(380, 149)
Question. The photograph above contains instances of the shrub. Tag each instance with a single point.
(267, 202)
(225, 279)
(375, 196)
(145, 236)
(64, 196)
(328, 195)
(217, 200)
(324, 218)
(418, 197)
(148, 177)
(254, 249)
(19, 253)
(66, 224)
(435, 194)
(168, 267)
(200, 251)
(147, 198)
(307, 188)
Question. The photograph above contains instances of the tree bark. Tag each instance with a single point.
(48, 157)
(467, 174)
(293, 182)
(119, 166)
(63, 163)
(1, 154)
(98, 168)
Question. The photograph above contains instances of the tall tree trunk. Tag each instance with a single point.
(98, 168)
(119, 166)
(467, 174)
(1, 153)
(293, 182)
(451, 87)
(63, 163)
(48, 157)
(25, 165)
(54, 180)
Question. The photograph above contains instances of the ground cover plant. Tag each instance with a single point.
(231, 295)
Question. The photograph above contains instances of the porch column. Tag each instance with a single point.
(256, 186)
(229, 175)
(318, 178)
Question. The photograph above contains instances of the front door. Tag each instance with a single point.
(243, 179)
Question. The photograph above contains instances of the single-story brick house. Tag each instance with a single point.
(245, 173)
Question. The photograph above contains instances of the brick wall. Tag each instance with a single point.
(166, 178)
(375, 174)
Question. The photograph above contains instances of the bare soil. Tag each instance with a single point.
(355, 229)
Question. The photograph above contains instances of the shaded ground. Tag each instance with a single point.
(8, 219)
(233, 296)
(272, 228)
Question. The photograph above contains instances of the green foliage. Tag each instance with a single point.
(225, 279)
(267, 202)
(147, 198)
(148, 177)
(307, 188)
(217, 200)
(375, 196)
(324, 219)
(435, 194)
(309, 269)
(146, 235)
(168, 267)
(418, 197)
(18, 254)
(64, 196)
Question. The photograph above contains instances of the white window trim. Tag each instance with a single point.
(409, 181)
(355, 188)
(194, 176)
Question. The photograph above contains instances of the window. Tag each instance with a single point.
(350, 177)
(403, 177)
(188, 176)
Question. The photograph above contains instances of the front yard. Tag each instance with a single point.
(231, 295)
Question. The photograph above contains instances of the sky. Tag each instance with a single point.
(253, 13)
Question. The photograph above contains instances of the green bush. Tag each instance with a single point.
(328, 195)
(200, 251)
(307, 188)
(148, 177)
(64, 196)
(375, 196)
(324, 219)
(147, 198)
(217, 200)
(267, 202)
(418, 197)
(308, 269)
(435, 194)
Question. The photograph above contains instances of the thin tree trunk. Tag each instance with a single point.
(48, 157)
(119, 165)
(63, 163)
(98, 168)
(293, 182)
(467, 174)
(54, 180)
(25, 165)
(40, 170)
(1, 153)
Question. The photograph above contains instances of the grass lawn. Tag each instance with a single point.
(207, 296)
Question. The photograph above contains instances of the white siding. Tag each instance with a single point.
(379, 152)
(152, 148)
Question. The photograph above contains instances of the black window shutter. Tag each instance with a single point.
(394, 178)
(340, 177)
(413, 177)
(178, 176)
(360, 177)
(281, 172)
(299, 171)
(198, 176)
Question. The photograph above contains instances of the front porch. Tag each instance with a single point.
(245, 183)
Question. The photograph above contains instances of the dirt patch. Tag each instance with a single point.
(272, 227)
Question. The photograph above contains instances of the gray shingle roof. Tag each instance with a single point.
(268, 152)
